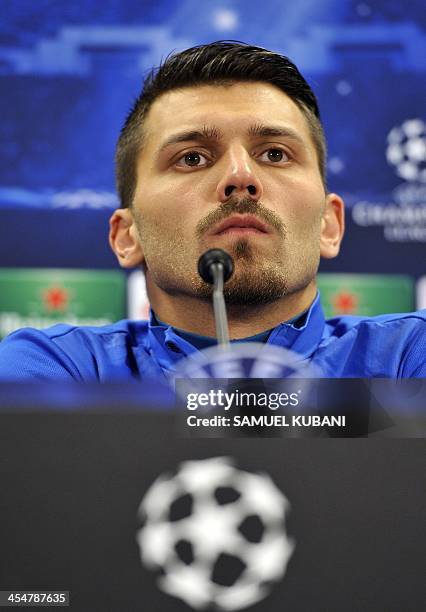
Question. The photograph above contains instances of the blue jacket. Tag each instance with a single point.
(343, 347)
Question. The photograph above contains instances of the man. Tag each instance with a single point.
(224, 148)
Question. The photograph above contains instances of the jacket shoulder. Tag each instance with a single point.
(387, 345)
(341, 324)
(64, 352)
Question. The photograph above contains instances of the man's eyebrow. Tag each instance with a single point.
(213, 133)
(205, 133)
(274, 131)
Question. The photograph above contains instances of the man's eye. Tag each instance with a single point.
(193, 159)
(274, 156)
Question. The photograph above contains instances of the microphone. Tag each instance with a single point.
(215, 267)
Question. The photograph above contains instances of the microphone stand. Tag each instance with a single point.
(215, 267)
(219, 309)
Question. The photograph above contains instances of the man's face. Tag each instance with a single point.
(230, 167)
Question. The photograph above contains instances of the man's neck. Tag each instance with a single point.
(194, 315)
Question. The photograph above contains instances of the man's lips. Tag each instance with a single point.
(240, 224)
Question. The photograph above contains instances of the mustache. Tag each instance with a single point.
(240, 206)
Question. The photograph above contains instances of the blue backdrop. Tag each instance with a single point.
(70, 71)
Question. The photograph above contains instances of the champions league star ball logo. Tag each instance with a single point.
(216, 533)
(403, 218)
(406, 150)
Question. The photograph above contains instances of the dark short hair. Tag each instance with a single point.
(221, 63)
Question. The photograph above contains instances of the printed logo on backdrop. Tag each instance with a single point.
(404, 217)
(43, 297)
(215, 533)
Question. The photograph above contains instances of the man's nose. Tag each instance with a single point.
(239, 177)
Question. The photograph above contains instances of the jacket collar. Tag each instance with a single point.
(302, 339)
(166, 347)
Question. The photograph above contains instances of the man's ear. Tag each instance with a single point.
(332, 226)
(124, 239)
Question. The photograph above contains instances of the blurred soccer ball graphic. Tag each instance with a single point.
(406, 150)
(216, 533)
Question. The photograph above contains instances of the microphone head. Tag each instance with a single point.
(215, 256)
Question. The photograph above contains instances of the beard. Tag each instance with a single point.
(257, 280)
(253, 283)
